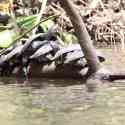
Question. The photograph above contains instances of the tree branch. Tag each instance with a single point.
(83, 36)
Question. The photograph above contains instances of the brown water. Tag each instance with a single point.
(53, 102)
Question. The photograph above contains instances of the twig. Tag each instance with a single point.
(39, 17)
(13, 18)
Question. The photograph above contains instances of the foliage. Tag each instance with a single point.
(68, 38)
(9, 35)
(104, 19)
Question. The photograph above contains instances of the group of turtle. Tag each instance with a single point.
(43, 56)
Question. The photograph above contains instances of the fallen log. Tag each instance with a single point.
(51, 70)
(114, 77)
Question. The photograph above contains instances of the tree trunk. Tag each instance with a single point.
(83, 36)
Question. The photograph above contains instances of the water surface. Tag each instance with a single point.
(60, 102)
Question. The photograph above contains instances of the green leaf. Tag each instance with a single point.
(68, 37)
(7, 37)
(47, 24)
(2, 28)
(28, 22)
(23, 20)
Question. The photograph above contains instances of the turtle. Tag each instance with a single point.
(66, 55)
(8, 62)
(78, 54)
(64, 50)
(41, 38)
(46, 51)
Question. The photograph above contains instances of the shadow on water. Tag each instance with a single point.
(40, 82)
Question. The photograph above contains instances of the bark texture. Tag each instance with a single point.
(83, 36)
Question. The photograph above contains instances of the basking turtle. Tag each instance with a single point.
(46, 51)
(41, 38)
(63, 51)
(30, 41)
(78, 54)
(66, 55)
(75, 58)
(33, 48)
(15, 52)
(8, 62)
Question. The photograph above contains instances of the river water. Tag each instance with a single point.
(60, 102)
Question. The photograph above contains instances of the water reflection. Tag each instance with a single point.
(53, 102)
